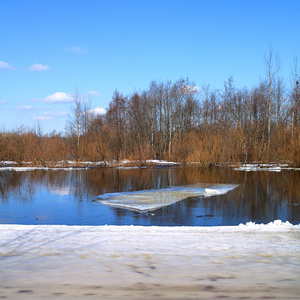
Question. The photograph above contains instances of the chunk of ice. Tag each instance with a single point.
(211, 191)
(148, 200)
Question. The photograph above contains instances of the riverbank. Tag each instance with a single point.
(134, 164)
(12, 165)
(136, 262)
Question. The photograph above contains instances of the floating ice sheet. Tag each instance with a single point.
(149, 200)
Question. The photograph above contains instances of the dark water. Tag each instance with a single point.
(67, 197)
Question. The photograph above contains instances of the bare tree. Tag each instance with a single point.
(86, 116)
(74, 122)
(279, 100)
(116, 119)
(228, 98)
(205, 103)
(272, 68)
(295, 96)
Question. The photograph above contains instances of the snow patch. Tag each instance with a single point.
(161, 162)
(8, 162)
(25, 169)
(259, 167)
(233, 261)
(275, 224)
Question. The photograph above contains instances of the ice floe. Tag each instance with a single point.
(149, 200)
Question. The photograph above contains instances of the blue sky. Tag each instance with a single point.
(50, 48)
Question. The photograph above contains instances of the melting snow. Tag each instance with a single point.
(25, 169)
(259, 167)
(167, 262)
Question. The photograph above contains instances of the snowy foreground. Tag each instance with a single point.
(133, 262)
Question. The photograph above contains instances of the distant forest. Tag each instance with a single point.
(175, 121)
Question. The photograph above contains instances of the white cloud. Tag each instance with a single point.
(38, 68)
(77, 50)
(2, 102)
(48, 115)
(192, 89)
(42, 117)
(197, 89)
(93, 93)
(98, 111)
(24, 107)
(58, 97)
(4, 65)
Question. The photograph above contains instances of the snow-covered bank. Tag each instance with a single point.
(82, 165)
(264, 167)
(132, 164)
(134, 262)
(23, 169)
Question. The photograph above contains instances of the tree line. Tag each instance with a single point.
(176, 121)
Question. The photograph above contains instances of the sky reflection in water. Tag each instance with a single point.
(68, 197)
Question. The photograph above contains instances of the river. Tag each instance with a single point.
(68, 197)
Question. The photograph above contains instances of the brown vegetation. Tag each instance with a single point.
(174, 121)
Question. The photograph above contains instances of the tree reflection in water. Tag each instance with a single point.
(261, 196)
